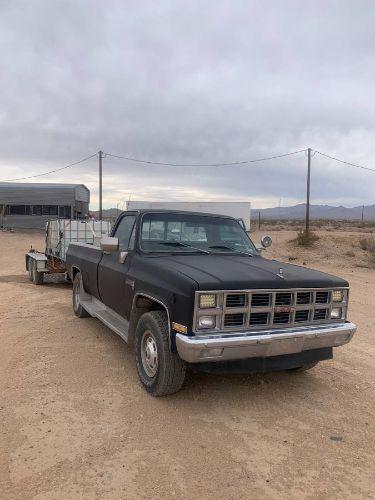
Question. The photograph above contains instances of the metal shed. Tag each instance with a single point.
(30, 205)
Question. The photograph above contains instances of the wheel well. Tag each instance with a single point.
(141, 305)
(75, 270)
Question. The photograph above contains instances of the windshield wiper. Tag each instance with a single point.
(179, 244)
(226, 247)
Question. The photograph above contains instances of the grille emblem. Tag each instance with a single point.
(282, 309)
(280, 274)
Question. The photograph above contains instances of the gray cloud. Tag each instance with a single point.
(190, 82)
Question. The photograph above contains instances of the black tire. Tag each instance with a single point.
(168, 375)
(77, 307)
(38, 277)
(304, 368)
(30, 269)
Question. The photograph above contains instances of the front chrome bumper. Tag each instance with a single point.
(263, 343)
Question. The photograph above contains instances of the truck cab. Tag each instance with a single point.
(188, 289)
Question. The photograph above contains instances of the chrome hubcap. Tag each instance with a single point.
(149, 353)
(76, 296)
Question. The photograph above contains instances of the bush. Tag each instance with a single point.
(306, 238)
(367, 244)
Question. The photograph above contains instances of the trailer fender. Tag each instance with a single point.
(41, 260)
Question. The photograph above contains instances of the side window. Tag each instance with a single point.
(124, 231)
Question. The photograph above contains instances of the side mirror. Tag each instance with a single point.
(109, 244)
(266, 241)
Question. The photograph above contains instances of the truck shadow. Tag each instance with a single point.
(229, 388)
(241, 388)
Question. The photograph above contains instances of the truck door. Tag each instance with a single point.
(115, 289)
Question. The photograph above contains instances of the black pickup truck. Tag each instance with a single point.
(192, 289)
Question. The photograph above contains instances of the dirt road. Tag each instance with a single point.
(75, 423)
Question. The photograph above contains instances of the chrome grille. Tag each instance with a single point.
(235, 300)
(281, 318)
(283, 299)
(320, 314)
(322, 297)
(303, 297)
(301, 316)
(267, 309)
(260, 299)
(233, 319)
(259, 318)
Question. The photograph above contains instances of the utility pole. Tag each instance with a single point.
(363, 214)
(308, 191)
(100, 185)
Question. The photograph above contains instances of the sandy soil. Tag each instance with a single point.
(75, 423)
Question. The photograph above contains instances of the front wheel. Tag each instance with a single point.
(160, 371)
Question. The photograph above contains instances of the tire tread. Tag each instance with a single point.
(80, 312)
(171, 378)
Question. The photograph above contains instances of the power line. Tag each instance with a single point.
(227, 164)
(51, 171)
(345, 162)
(204, 164)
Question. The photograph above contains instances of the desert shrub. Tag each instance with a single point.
(319, 223)
(350, 253)
(306, 238)
(367, 244)
(372, 259)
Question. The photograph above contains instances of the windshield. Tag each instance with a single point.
(167, 232)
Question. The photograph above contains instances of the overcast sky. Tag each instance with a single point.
(191, 81)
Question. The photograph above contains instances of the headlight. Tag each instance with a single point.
(207, 300)
(206, 322)
(336, 313)
(337, 295)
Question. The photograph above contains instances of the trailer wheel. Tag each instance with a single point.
(77, 307)
(160, 371)
(37, 276)
(30, 269)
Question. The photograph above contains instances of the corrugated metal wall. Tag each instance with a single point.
(77, 196)
(38, 194)
(82, 193)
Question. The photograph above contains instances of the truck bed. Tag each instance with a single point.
(86, 258)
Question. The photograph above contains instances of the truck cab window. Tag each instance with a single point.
(124, 231)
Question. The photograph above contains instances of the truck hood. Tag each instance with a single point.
(240, 272)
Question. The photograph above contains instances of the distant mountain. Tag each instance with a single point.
(291, 213)
(107, 213)
(316, 212)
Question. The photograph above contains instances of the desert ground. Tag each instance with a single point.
(75, 423)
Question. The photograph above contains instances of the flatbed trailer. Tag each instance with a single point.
(59, 234)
